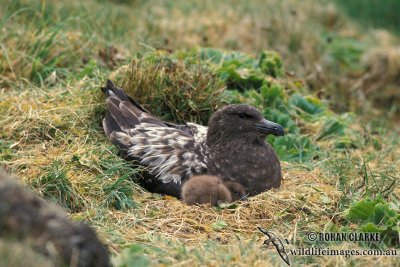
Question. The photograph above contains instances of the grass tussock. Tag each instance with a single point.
(172, 89)
(382, 79)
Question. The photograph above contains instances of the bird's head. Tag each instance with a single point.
(237, 190)
(205, 189)
(241, 119)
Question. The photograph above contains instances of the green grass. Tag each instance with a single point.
(299, 62)
(374, 13)
(55, 185)
(48, 41)
(119, 193)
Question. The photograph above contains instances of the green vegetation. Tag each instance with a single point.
(374, 12)
(331, 84)
(55, 185)
(377, 216)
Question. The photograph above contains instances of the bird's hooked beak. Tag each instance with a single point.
(269, 127)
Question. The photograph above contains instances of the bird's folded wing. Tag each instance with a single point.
(170, 153)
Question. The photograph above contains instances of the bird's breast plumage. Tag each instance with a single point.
(255, 166)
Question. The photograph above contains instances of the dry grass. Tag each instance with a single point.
(193, 224)
(171, 89)
(381, 81)
(166, 230)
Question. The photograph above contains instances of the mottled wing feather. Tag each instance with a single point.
(199, 132)
(169, 153)
(172, 152)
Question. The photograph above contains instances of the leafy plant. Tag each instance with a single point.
(378, 216)
(270, 63)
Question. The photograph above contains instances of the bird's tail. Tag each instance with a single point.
(111, 90)
(123, 114)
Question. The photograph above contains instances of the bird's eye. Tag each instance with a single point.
(245, 116)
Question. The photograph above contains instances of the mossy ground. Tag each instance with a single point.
(54, 57)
